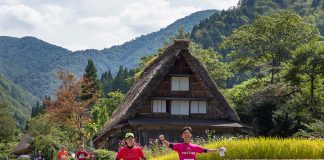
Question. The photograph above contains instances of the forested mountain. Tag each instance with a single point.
(18, 99)
(212, 31)
(274, 50)
(32, 63)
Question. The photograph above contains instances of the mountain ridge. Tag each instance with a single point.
(32, 63)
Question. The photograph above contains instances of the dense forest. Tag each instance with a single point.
(212, 31)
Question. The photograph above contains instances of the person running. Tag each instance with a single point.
(186, 150)
(130, 151)
(81, 154)
(63, 154)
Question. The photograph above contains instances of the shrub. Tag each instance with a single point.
(102, 154)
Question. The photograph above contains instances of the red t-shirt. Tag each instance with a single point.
(187, 151)
(126, 153)
(62, 155)
(81, 155)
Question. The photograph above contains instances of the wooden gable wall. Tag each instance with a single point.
(197, 91)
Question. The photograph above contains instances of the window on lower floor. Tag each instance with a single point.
(198, 107)
(179, 107)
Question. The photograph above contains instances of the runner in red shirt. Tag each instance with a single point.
(186, 150)
(63, 154)
(81, 154)
(130, 151)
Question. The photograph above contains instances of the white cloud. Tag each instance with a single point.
(19, 17)
(225, 4)
(84, 24)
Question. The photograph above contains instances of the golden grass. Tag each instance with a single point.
(261, 148)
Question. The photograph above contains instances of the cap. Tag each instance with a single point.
(129, 135)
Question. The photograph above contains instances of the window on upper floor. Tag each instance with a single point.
(159, 106)
(180, 84)
(198, 107)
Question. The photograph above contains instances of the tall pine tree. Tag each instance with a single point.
(121, 82)
(106, 82)
(90, 84)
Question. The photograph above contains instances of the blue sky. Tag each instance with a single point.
(95, 24)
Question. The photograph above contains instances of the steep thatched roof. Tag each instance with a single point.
(151, 78)
(23, 146)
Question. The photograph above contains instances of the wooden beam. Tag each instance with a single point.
(181, 75)
(180, 98)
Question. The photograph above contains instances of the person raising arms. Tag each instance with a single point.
(186, 150)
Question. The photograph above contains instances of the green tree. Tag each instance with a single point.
(7, 122)
(106, 82)
(68, 108)
(121, 81)
(48, 136)
(218, 69)
(90, 84)
(313, 130)
(182, 34)
(307, 66)
(267, 42)
(104, 107)
(37, 109)
(101, 112)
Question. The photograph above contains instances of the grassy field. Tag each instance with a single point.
(257, 148)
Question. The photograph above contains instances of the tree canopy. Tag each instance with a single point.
(264, 44)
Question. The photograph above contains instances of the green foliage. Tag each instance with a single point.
(122, 81)
(6, 148)
(306, 68)
(285, 122)
(313, 130)
(104, 107)
(240, 98)
(217, 69)
(282, 55)
(8, 138)
(90, 84)
(261, 148)
(39, 108)
(305, 72)
(273, 109)
(145, 62)
(102, 154)
(264, 44)
(91, 71)
(49, 136)
(7, 122)
(106, 80)
(18, 100)
(181, 34)
(211, 32)
(155, 150)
